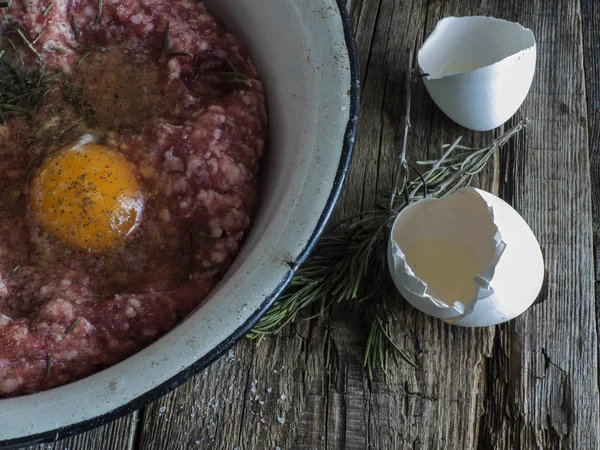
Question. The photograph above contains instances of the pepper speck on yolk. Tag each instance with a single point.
(88, 196)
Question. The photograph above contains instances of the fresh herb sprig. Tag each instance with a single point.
(21, 92)
(349, 261)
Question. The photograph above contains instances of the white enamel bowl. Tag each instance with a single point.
(305, 53)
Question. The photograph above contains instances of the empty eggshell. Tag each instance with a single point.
(468, 258)
(479, 69)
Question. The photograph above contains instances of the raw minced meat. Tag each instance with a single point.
(175, 104)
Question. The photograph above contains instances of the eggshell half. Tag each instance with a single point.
(512, 258)
(479, 69)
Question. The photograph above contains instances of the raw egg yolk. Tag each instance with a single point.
(88, 196)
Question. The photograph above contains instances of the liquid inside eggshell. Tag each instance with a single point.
(447, 266)
(87, 196)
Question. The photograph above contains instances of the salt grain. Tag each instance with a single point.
(269, 390)
(281, 420)
(230, 355)
(162, 409)
(283, 396)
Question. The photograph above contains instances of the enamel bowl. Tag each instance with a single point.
(306, 56)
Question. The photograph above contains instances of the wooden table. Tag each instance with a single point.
(530, 383)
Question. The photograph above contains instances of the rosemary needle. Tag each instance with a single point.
(38, 36)
(75, 26)
(58, 49)
(48, 364)
(47, 10)
(87, 54)
(235, 76)
(73, 326)
(12, 44)
(29, 44)
(209, 268)
(98, 15)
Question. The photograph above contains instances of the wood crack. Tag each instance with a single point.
(246, 393)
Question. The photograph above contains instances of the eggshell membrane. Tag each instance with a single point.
(510, 257)
(498, 59)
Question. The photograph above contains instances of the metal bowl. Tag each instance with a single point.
(304, 51)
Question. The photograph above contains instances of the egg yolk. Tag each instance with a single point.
(88, 196)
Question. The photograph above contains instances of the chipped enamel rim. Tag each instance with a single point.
(323, 30)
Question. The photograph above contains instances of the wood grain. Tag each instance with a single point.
(528, 384)
(117, 435)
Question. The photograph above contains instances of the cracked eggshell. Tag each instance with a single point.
(479, 69)
(507, 262)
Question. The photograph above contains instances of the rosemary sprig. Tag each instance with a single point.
(22, 92)
(381, 346)
(349, 261)
(235, 76)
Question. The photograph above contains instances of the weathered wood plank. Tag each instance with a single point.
(538, 379)
(117, 435)
(591, 47)
(415, 407)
